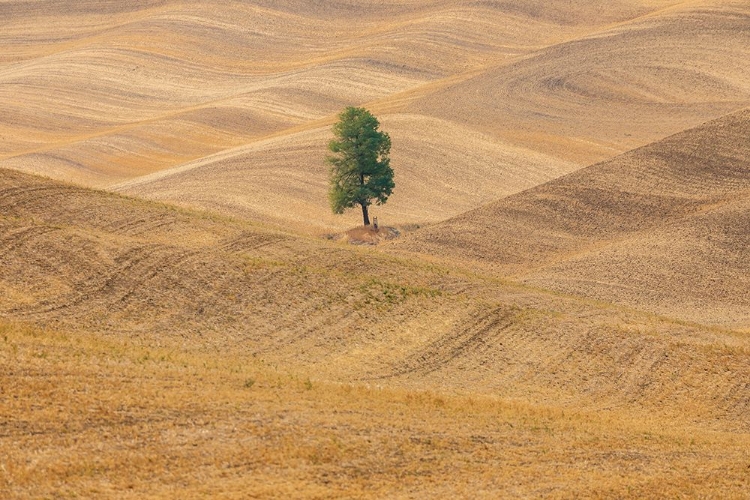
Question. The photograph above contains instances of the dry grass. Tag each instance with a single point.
(187, 354)
(84, 416)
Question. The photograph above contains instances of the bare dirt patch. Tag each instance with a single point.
(365, 235)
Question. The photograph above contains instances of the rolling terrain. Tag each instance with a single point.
(618, 88)
(664, 228)
(149, 297)
(190, 102)
(557, 306)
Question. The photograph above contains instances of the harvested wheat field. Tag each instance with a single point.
(227, 106)
(151, 351)
(665, 228)
(555, 305)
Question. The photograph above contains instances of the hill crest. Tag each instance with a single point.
(620, 208)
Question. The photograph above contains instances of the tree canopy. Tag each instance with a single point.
(360, 166)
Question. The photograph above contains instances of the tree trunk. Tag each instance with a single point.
(365, 215)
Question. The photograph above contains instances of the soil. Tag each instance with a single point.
(662, 228)
(366, 235)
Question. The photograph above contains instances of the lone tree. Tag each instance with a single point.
(360, 167)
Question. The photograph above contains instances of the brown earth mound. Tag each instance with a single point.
(366, 235)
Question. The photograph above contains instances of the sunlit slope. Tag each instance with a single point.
(441, 169)
(166, 89)
(614, 90)
(474, 137)
(111, 417)
(90, 261)
(106, 93)
(664, 227)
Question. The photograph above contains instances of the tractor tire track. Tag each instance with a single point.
(246, 242)
(13, 240)
(478, 336)
(132, 272)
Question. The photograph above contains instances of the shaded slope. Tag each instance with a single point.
(94, 262)
(630, 225)
(697, 268)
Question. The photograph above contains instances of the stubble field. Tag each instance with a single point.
(564, 314)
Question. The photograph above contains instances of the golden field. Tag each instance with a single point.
(111, 418)
(228, 105)
(564, 313)
(106, 286)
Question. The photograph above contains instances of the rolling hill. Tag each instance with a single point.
(564, 315)
(91, 261)
(144, 298)
(188, 102)
(663, 227)
(621, 87)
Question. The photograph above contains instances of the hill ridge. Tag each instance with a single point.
(673, 184)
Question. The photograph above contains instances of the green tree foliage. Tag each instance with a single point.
(360, 168)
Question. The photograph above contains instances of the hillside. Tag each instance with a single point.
(120, 289)
(212, 104)
(152, 278)
(557, 306)
(622, 87)
(284, 180)
(125, 267)
(124, 420)
(663, 227)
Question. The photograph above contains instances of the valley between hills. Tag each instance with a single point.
(565, 312)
